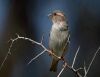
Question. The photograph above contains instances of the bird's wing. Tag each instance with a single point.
(50, 44)
(66, 46)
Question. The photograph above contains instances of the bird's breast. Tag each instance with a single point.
(57, 37)
(57, 41)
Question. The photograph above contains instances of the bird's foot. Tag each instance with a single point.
(62, 58)
(50, 52)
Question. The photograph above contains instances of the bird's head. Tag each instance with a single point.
(57, 16)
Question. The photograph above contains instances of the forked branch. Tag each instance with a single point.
(65, 65)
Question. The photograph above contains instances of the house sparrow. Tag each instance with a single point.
(58, 37)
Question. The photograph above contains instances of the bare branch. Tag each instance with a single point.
(40, 44)
(36, 56)
(70, 67)
(85, 68)
(45, 50)
(86, 71)
(34, 42)
(8, 53)
(76, 71)
(64, 66)
(75, 56)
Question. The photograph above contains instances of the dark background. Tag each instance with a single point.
(29, 18)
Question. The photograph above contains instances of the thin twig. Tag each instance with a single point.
(70, 67)
(36, 56)
(34, 42)
(40, 44)
(75, 56)
(45, 50)
(91, 62)
(85, 68)
(8, 53)
(74, 71)
(64, 66)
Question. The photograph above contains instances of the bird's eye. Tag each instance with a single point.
(55, 14)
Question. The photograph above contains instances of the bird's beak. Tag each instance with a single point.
(50, 15)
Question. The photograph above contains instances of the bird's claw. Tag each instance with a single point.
(62, 58)
(50, 53)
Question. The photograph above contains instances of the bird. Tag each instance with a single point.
(59, 37)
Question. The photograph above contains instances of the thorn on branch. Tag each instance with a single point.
(17, 35)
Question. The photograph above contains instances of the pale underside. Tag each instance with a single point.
(58, 40)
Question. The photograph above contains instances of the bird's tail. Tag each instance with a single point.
(54, 65)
